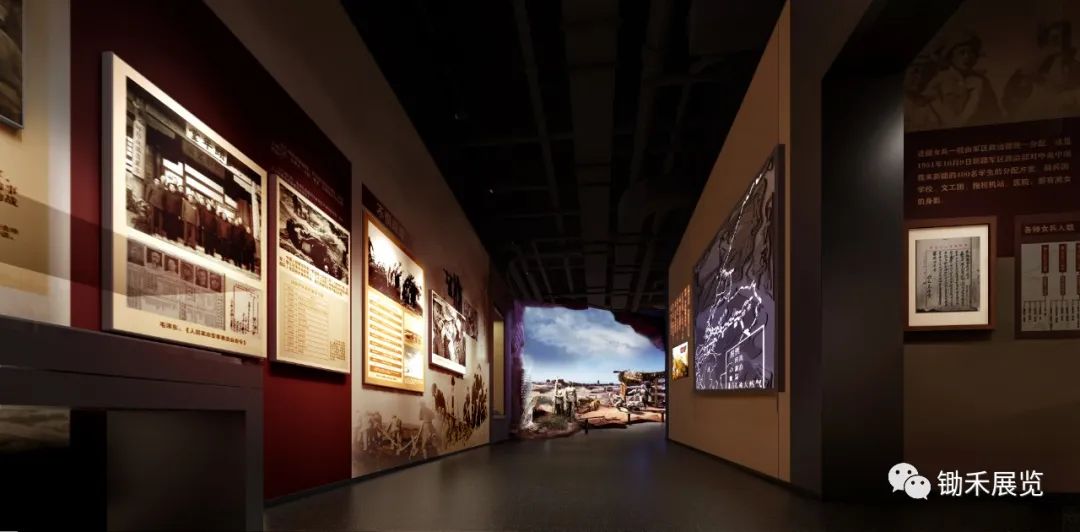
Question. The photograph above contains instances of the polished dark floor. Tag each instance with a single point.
(629, 479)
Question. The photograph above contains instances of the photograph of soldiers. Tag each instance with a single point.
(427, 438)
(960, 93)
(308, 234)
(392, 272)
(558, 407)
(477, 401)
(447, 334)
(394, 433)
(187, 190)
(11, 62)
(571, 379)
(1050, 84)
(919, 112)
(458, 427)
(371, 431)
(388, 438)
(978, 71)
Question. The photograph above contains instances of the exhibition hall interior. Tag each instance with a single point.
(539, 265)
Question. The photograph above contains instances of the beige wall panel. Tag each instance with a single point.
(751, 430)
(334, 78)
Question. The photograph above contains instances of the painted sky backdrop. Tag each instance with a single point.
(584, 346)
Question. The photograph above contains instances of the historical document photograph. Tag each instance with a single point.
(193, 207)
(1048, 276)
(948, 274)
(313, 287)
(394, 315)
(11, 62)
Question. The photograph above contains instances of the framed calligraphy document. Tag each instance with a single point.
(950, 274)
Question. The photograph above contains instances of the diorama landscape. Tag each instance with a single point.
(584, 370)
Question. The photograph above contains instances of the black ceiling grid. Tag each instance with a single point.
(577, 135)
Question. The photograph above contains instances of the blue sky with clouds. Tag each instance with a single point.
(584, 346)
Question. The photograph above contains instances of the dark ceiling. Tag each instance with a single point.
(577, 135)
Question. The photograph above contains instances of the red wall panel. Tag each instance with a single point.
(183, 48)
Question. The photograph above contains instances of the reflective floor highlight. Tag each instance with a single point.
(631, 479)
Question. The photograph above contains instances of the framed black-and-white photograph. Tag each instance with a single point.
(11, 62)
(310, 235)
(949, 274)
(737, 292)
(313, 288)
(395, 317)
(447, 335)
(176, 189)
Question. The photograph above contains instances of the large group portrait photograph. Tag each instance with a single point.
(196, 204)
(307, 233)
(185, 189)
(11, 62)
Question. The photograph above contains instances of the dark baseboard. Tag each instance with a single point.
(278, 501)
(799, 490)
(322, 488)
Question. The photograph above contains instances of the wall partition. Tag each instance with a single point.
(433, 331)
(169, 176)
(998, 157)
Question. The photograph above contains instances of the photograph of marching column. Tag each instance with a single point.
(182, 193)
(313, 287)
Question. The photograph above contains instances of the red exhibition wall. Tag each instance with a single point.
(184, 49)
